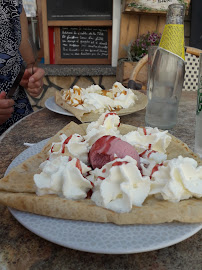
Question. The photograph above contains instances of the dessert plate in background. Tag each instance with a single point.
(91, 116)
(52, 106)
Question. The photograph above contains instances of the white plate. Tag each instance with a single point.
(99, 237)
(52, 106)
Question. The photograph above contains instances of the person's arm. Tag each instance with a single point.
(32, 80)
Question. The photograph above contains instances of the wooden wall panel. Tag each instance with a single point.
(161, 24)
(134, 25)
(128, 31)
(147, 23)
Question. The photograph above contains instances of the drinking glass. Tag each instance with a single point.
(164, 87)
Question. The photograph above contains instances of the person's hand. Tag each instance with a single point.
(6, 107)
(33, 83)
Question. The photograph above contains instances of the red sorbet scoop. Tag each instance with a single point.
(107, 148)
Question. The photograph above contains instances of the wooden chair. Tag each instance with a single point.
(137, 85)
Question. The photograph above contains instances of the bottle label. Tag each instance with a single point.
(173, 39)
(199, 97)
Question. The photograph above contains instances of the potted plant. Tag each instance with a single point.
(136, 50)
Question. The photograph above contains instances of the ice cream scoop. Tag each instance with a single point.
(108, 148)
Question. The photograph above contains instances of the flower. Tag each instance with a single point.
(139, 48)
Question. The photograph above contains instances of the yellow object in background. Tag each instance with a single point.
(172, 39)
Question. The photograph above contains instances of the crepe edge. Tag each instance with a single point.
(153, 212)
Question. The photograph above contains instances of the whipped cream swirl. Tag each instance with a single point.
(63, 176)
(119, 185)
(178, 179)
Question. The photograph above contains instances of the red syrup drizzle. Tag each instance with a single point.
(101, 178)
(106, 146)
(142, 154)
(153, 151)
(145, 133)
(78, 165)
(52, 148)
(119, 163)
(111, 113)
(64, 143)
(156, 167)
(90, 192)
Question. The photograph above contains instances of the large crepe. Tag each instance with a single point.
(84, 116)
(17, 190)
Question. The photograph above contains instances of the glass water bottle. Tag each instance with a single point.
(167, 72)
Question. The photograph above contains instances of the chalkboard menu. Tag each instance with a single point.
(79, 9)
(77, 43)
(84, 42)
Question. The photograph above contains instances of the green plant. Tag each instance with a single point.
(139, 48)
(139, 6)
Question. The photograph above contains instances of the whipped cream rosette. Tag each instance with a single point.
(119, 185)
(74, 146)
(177, 179)
(148, 138)
(63, 176)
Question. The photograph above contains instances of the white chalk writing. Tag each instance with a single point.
(84, 42)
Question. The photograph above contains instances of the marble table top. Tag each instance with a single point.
(22, 249)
